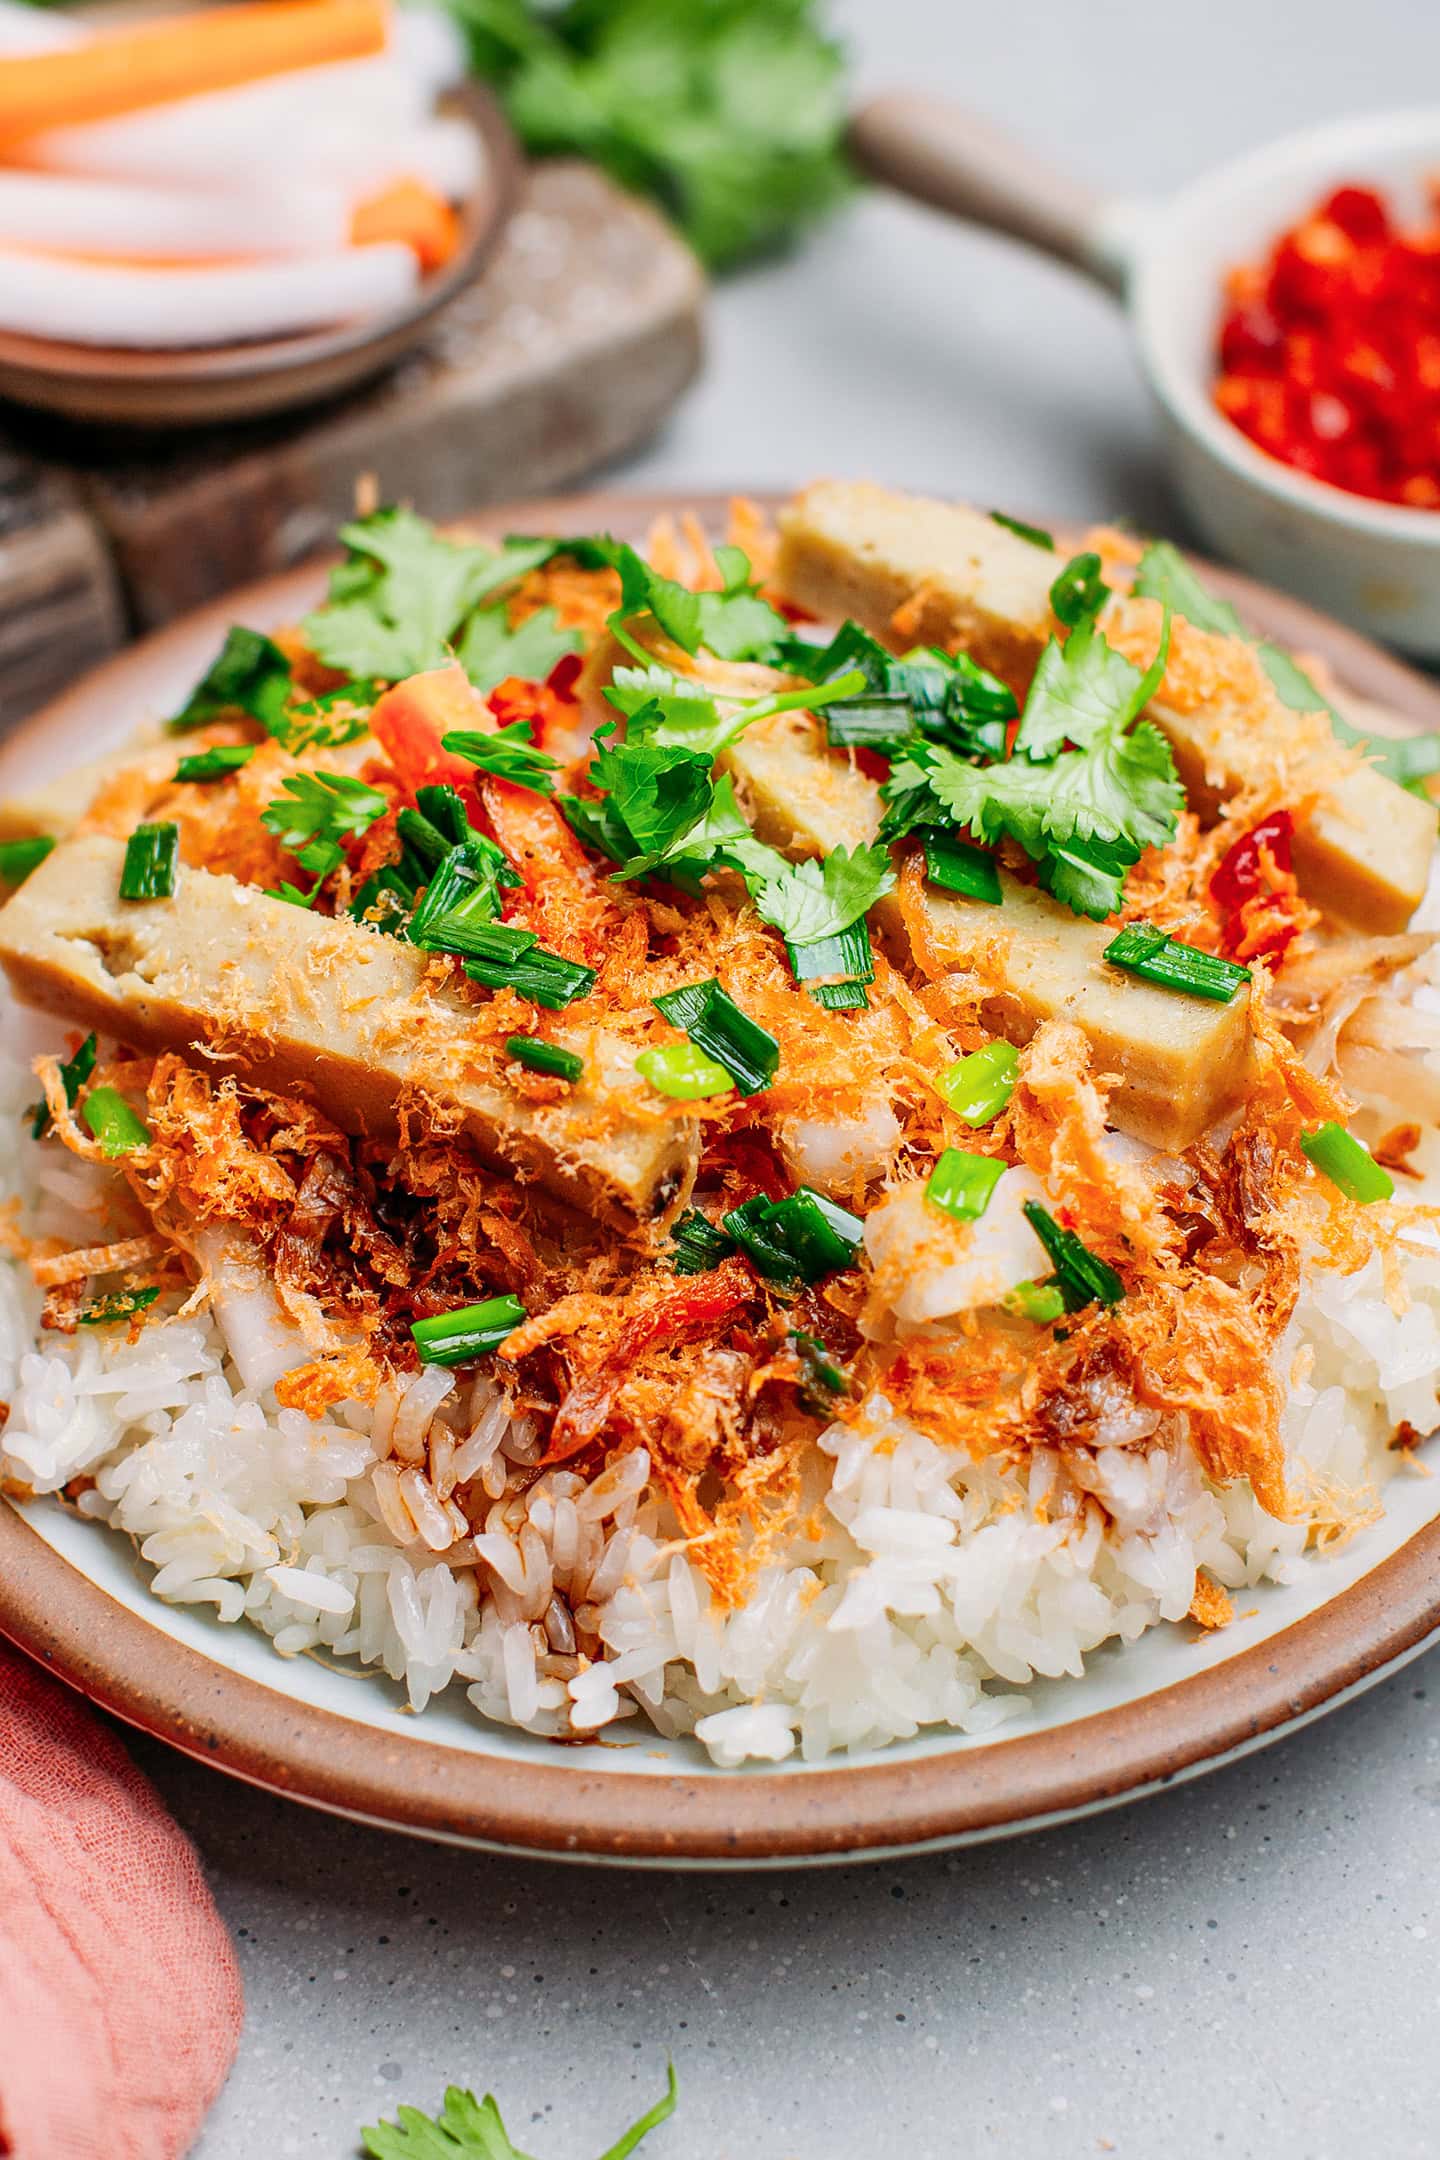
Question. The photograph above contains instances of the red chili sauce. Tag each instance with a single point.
(1329, 350)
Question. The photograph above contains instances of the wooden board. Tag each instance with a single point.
(569, 350)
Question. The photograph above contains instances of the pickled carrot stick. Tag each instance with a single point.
(124, 71)
(411, 213)
(88, 303)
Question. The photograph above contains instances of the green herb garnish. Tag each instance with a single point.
(490, 651)
(151, 854)
(454, 1338)
(718, 1028)
(503, 957)
(1348, 1163)
(322, 806)
(249, 674)
(118, 1305)
(74, 1073)
(1079, 592)
(1041, 1302)
(822, 1382)
(216, 764)
(684, 1073)
(797, 1239)
(550, 1058)
(509, 753)
(956, 866)
(978, 1087)
(961, 1184)
(19, 857)
(1035, 534)
(1143, 950)
(1081, 1276)
(471, 2129)
(118, 1128)
(696, 1245)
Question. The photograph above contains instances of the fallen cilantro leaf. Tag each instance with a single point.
(810, 901)
(471, 2129)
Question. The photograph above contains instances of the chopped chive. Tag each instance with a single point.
(462, 895)
(870, 722)
(119, 1305)
(1079, 592)
(978, 1087)
(151, 854)
(544, 1057)
(19, 857)
(962, 1184)
(1035, 534)
(956, 866)
(1156, 958)
(1081, 1276)
(430, 844)
(503, 957)
(848, 958)
(716, 1025)
(114, 1124)
(684, 1073)
(797, 1239)
(443, 810)
(1041, 1302)
(696, 1245)
(74, 1073)
(822, 1380)
(454, 1338)
(841, 996)
(249, 674)
(1348, 1163)
(216, 764)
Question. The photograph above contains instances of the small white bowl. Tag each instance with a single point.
(1373, 564)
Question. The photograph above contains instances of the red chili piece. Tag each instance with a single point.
(1329, 350)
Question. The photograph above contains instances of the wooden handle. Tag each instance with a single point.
(961, 163)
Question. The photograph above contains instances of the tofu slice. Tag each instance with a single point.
(1179, 1062)
(340, 1011)
(866, 551)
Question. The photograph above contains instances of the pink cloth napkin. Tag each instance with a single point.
(120, 2003)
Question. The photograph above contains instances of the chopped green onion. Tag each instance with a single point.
(716, 1025)
(684, 1073)
(797, 1239)
(544, 1057)
(461, 898)
(454, 1338)
(848, 959)
(114, 1124)
(1143, 950)
(151, 854)
(216, 764)
(849, 996)
(1081, 1276)
(978, 1087)
(1348, 1163)
(957, 867)
(19, 857)
(249, 674)
(876, 722)
(73, 1075)
(1035, 534)
(442, 807)
(962, 1184)
(429, 843)
(821, 1379)
(696, 1245)
(503, 957)
(1079, 593)
(384, 901)
(1040, 1302)
(119, 1305)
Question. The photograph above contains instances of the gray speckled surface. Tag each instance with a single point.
(1242, 1967)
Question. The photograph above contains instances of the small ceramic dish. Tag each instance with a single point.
(1373, 564)
(201, 385)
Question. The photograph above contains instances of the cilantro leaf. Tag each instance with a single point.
(490, 651)
(249, 674)
(667, 709)
(810, 901)
(471, 2129)
(1082, 688)
(1164, 575)
(658, 794)
(509, 753)
(734, 623)
(321, 806)
(398, 601)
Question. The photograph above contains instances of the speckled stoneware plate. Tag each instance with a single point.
(1172, 1705)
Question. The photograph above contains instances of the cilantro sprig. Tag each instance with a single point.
(510, 754)
(312, 815)
(471, 2129)
(1085, 813)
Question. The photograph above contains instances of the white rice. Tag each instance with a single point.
(937, 1592)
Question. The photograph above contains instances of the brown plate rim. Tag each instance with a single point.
(243, 380)
(566, 1809)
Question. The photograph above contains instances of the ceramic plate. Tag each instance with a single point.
(1174, 1704)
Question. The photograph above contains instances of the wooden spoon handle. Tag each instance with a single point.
(961, 163)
